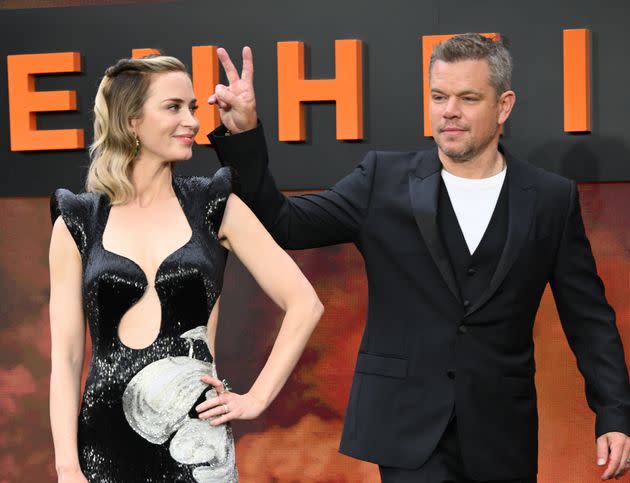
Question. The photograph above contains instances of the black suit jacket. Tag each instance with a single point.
(422, 353)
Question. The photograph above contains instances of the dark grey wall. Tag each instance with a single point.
(391, 32)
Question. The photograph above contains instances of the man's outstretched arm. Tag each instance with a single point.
(326, 218)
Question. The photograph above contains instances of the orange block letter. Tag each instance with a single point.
(577, 80)
(25, 101)
(428, 43)
(139, 53)
(205, 71)
(346, 89)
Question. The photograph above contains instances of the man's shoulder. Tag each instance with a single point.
(528, 172)
(402, 160)
(403, 155)
(553, 191)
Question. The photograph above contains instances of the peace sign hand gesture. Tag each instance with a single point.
(236, 102)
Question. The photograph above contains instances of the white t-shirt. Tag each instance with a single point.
(473, 201)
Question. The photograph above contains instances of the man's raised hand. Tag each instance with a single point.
(236, 101)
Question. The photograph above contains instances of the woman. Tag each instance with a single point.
(141, 257)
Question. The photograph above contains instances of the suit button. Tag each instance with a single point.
(462, 329)
(471, 271)
(466, 304)
(450, 374)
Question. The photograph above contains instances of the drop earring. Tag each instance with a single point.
(136, 150)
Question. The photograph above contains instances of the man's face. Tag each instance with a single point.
(466, 115)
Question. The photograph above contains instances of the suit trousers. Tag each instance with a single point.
(445, 465)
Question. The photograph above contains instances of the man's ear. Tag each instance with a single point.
(506, 103)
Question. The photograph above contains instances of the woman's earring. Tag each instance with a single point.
(136, 150)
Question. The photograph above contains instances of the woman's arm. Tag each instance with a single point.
(281, 279)
(67, 330)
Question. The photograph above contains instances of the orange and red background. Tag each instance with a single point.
(296, 439)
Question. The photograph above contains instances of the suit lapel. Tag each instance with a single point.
(521, 202)
(424, 185)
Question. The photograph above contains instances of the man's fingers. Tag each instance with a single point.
(624, 465)
(602, 450)
(248, 65)
(614, 460)
(216, 99)
(228, 66)
(213, 100)
(225, 97)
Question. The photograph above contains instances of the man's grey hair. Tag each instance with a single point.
(473, 46)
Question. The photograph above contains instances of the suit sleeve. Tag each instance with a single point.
(326, 218)
(589, 324)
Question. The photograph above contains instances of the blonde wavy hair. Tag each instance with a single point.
(120, 98)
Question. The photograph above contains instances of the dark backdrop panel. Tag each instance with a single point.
(391, 33)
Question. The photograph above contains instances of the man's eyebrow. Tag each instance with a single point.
(470, 91)
(461, 93)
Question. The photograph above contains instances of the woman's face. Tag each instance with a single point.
(168, 125)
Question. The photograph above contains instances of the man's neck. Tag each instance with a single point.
(483, 166)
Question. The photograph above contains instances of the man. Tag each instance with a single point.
(459, 243)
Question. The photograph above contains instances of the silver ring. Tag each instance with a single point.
(628, 461)
(225, 409)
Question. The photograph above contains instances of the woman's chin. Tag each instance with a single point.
(185, 156)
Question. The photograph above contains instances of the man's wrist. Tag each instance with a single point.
(248, 125)
(236, 130)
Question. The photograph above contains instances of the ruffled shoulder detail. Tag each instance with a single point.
(76, 211)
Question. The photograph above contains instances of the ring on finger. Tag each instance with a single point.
(225, 409)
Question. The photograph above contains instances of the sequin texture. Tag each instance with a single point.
(137, 422)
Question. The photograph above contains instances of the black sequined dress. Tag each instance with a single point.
(137, 421)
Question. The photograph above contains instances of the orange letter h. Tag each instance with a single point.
(346, 89)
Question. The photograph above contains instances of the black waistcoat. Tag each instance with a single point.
(473, 272)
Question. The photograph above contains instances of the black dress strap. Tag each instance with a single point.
(76, 211)
(208, 197)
